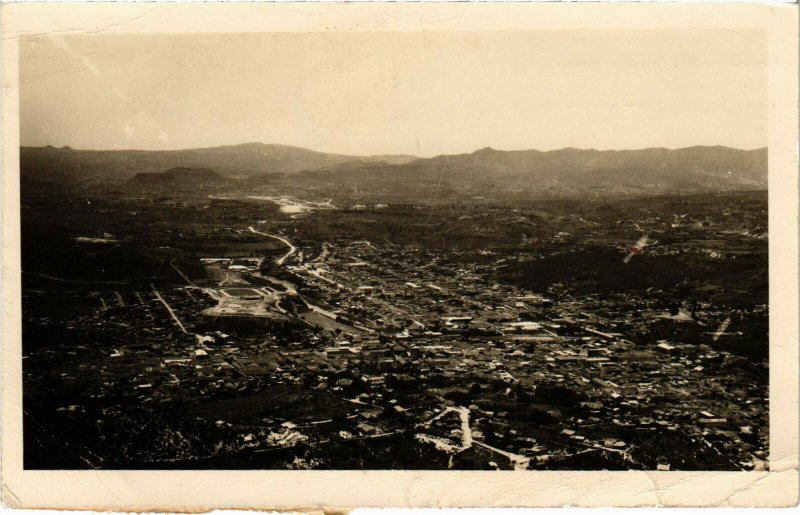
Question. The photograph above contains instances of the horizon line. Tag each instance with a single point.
(252, 143)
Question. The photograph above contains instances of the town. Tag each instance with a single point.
(256, 343)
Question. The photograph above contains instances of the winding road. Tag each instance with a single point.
(282, 259)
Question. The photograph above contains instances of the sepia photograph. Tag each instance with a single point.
(396, 250)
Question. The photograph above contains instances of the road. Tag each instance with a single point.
(184, 276)
(282, 259)
(172, 313)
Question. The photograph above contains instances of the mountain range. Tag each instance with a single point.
(252, 165)
(69, 165)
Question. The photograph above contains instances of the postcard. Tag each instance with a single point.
(330, 255)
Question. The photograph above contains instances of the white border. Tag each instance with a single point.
(185, 490)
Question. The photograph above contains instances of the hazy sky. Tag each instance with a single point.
(414, 92)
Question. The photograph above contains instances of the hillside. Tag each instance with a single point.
(485, 172)
(69, 166)
(177, 180)
(571, 170)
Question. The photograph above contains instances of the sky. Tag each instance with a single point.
(421, 93)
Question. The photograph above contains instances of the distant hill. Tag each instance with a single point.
(66, 165)
(487, 171)
(573, 170)
(177, 180)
